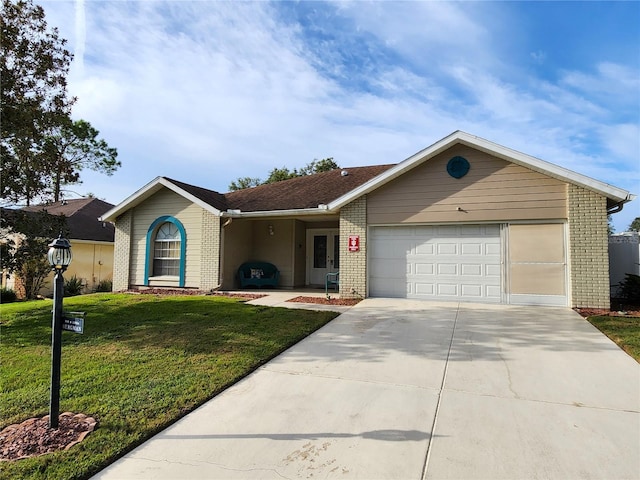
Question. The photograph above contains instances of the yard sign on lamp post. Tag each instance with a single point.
(59, 256)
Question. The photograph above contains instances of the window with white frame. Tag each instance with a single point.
(166, 251)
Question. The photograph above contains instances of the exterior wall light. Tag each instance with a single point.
(59, 254)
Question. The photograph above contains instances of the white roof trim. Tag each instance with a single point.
(147, 191)
(614, 193)
(277, 213)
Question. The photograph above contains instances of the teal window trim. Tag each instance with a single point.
(151, 236)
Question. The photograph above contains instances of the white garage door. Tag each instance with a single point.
(457, 262)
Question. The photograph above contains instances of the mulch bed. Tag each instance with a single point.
(326, 301)
(619, 308)
(592, 312)
(170, 291)
(33, 437)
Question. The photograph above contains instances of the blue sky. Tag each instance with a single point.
(206, 92)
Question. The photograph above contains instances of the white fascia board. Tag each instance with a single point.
(491, 148)
(145, 192)
(277, 213)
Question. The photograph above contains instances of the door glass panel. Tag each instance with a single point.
(320, 251)
(336, 251)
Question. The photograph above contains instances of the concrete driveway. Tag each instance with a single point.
(403, 389)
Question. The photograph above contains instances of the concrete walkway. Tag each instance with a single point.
(399, 389)
(282, 298)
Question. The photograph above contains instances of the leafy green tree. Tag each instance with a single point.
(280, 174)
(24, 239)
(73, 146)
(635, 225)
(319, 166)
(244, 182)
(610, 228)
(41, 148)
(34, 64)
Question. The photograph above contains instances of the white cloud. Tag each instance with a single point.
(206, 92)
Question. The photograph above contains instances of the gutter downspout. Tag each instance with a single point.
(616, 208)
(619, 206)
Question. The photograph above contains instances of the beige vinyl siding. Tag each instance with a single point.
(275, 248)
(492, 190)
(249, 240)
(299, 254)
(236, 250)
(166, 202)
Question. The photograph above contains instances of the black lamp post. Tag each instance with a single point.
(59, 256)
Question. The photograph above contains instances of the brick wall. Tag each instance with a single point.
(353, 265)
(210, 255)
(588, 248)
(122, 252)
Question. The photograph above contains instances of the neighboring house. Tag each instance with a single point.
(91, 240)
(464, 220)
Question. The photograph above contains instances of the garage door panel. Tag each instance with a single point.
(425, 288)
(493, 249)
(493, 291)
(442, 262)
(388, 268)
(447, 289)
(473, 291)
(423, 268)
(471, 249)
(446, 248)
(424, 249)
(471, 269)
(493, 270)
(447, 269)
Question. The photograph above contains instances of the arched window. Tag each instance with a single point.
(166, 251)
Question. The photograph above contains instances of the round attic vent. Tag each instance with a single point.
(344, 173)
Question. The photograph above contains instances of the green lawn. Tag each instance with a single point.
(625, 331)
(142, 362)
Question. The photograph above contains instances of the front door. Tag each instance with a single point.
(323, 255)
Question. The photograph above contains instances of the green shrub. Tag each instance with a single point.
(104, 286)
(7, 295)
(73, 287)
(629, 289)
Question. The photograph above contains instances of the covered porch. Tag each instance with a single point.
(304, 249)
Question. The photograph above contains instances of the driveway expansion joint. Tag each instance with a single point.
(442, 387)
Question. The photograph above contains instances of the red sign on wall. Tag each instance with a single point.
(354, 243)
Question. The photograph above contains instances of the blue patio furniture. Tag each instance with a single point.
(258, 274)
(332, 280)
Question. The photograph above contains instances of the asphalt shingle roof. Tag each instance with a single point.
(82, 218)
(213, 198)
(307, 191)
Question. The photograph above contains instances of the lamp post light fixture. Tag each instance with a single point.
(59, 256)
